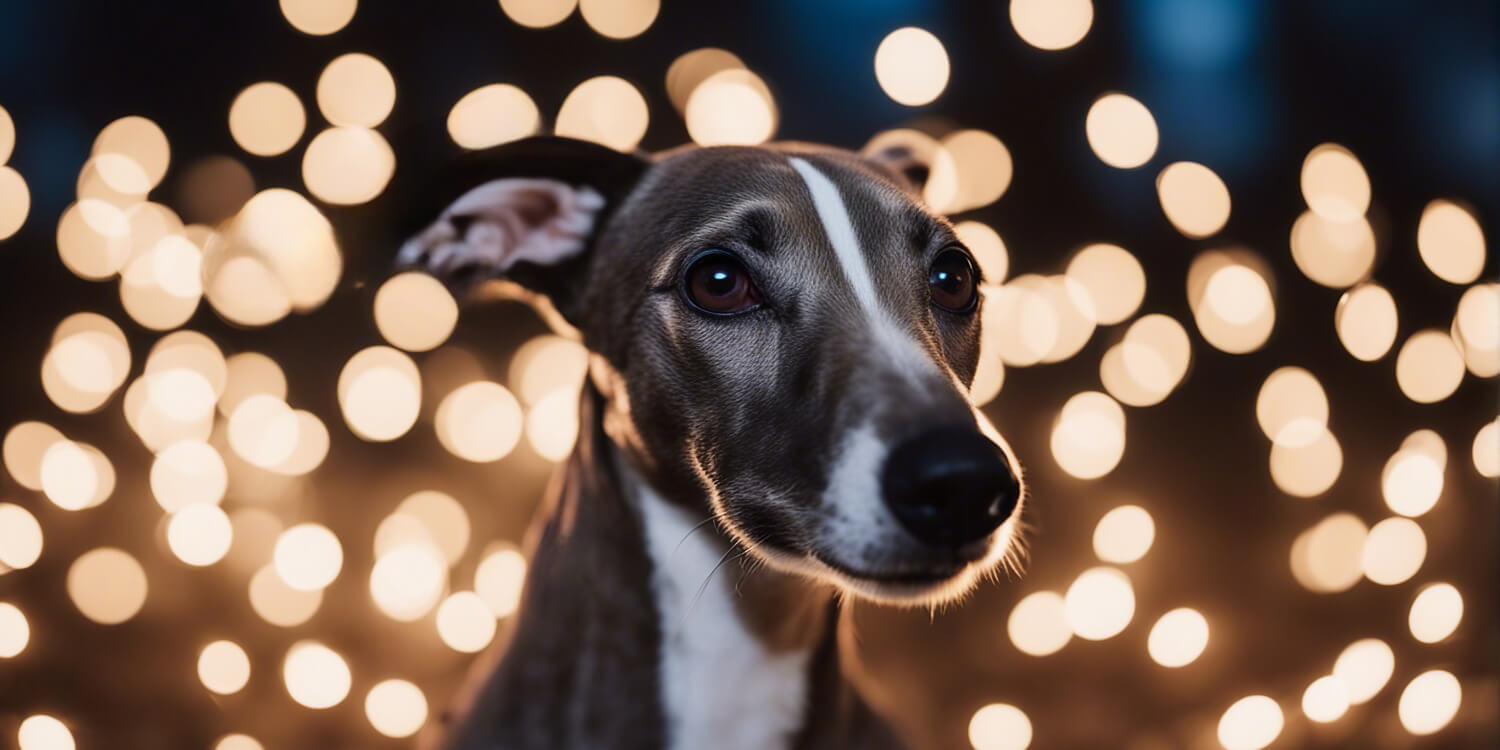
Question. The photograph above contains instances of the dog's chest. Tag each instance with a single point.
(721, 686)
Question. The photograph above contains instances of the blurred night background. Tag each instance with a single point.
(1344, 512)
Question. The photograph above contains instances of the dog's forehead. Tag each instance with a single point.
(707, 182)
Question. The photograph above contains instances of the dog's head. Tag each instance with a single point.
(785, 332)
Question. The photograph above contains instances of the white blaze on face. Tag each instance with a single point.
(905, 352)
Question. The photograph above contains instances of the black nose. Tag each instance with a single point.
(950, 486)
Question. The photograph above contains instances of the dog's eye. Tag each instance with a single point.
(953, 281)
(717, 283)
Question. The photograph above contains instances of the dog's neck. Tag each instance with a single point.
(643, 625)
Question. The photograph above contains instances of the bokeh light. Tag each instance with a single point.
(538, 14)
(499, 579)
(1178, 637)
(545, 364)
(972, 170)
(1334, 254)
(15, 632)
(15, 201)
(1309, 468)
(1429, 702)
(1253, 722)
(552, 425)
(1429, 367)
(1411, 482)
(1099, 603)
(263, 430)
(693, 68)
(442, 519)
(308, 557)
(1000, 726)
(465, 623)
(1038, 625)
(1325, 700)
(606, 110)
(619, 19)
(491, 115)
(356, 90)
(396, 708)
(280, 604)
(1124, 534)
(1328, 558)
(911, 66)
(1334, 183)
(988, 250)
(348, 165)
(20, 537)
(1194, 199)
(200, 534)
(1088, 438)
(1435, 612)
(315, 675)
(1114, 279)
(480, 422)
(1366, 321)
(223, 667)
(1450, 242)
(407, 582)
(138, 140)
(380, 393)
(415, 312)
(43, 732)
(1121, 131)
(7, 135)
(1394, 551)
(1364, 667)
(1051, 24)
(1232, 302)
(267, 119)
(731, 107)
(1476, 329)
(188, 472)
(107, 585)
(1486, 449)
(318, 17)
(278, 254)
(1292, 407)
(238, 742)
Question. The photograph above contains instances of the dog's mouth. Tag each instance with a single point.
(905, 575)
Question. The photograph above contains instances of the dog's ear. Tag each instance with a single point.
(528, 211)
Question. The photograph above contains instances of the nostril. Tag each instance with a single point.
(950, 486)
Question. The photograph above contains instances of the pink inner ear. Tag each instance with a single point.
(498, 224)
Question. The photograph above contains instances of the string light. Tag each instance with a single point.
(396, 708)
(1429, 702)
(15, 632)
(1051, 24)
(1121, 131)
(491, 115)
(1000, 726)
(1435, 612)
(911, 66)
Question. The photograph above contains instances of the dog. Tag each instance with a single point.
(776, 416)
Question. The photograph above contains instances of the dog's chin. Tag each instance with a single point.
(928, 586)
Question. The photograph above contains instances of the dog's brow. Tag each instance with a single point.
(829, 204)
(841, 235)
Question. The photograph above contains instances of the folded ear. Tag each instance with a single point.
(528, 211)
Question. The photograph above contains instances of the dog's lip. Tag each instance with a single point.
(926, 574)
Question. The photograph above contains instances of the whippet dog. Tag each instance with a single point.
(776, 416)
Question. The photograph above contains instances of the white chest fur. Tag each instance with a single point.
(721, 688)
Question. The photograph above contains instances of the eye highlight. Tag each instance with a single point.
(953, 281)
(717, 283)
